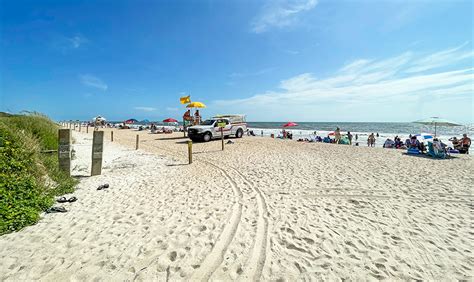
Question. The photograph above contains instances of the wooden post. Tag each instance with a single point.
(136, 144)
(184, 127)
(87, 128)
(64, 150)
(80, 126)
(190, 151)
(97, 149)
(222, 137)
(111, 136)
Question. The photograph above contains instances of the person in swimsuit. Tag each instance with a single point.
(455, 141)
(465, 144)
(371, 140)
(337, 135)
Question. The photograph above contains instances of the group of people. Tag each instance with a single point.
(154, 129)
(398, 143)
(195, 120)
(459, 145)
(462, 145)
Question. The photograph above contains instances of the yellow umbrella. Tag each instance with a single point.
(196, 105)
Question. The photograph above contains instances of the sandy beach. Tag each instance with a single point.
(262, 209)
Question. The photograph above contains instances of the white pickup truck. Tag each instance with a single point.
(233, 125)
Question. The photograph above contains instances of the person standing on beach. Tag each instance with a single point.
(377, 134)
(371, 140)
(337, 135)
(465, 143)
(197, 117)
(357, 137)
(349, 135)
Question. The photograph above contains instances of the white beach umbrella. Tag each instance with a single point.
(99, 118)
(436, 121)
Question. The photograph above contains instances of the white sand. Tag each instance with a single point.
(262, 209)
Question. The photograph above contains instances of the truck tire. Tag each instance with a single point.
(239, 133)
(206, 137)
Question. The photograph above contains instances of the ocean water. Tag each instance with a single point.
(362, 129)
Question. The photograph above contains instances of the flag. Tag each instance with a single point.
(185, 99)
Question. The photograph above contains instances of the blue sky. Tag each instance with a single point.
(303, 60)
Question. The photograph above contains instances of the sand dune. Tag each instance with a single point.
(262, 209)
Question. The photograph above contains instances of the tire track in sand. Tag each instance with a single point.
(214, 259)
(257, 259)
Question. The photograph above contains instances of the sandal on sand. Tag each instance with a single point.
(103, 186)
(62, 200)
(72, 199)
(56, 209)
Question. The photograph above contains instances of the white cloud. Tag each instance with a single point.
(170, 109)
(292, 52)
(145, 109)
(281, 13)
(247, 74)
(362, 85)
(92, 81)
(443, 58)
(76, 41)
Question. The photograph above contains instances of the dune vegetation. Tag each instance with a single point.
(29, 174)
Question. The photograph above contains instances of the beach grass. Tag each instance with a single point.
(29, 178)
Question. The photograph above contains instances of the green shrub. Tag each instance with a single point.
(23, 169)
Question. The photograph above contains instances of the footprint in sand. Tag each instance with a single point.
(172, 256)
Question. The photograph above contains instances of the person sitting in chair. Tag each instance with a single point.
(456, 143)
(421, 147)
(438, 146)
(414, 143)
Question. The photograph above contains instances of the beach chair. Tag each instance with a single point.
(435, 153)
(344, 140)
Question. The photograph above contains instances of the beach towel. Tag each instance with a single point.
(413, 151)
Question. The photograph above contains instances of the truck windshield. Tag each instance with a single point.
(208, 122)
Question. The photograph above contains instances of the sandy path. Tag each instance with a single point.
(150, 223)
(262, 209)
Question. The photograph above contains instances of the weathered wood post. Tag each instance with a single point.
(222, 137)
(111, 136)
(87, 128)
(190, 151)
(64, 150)
(80, 126)
(136, 144)
(97, 149)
